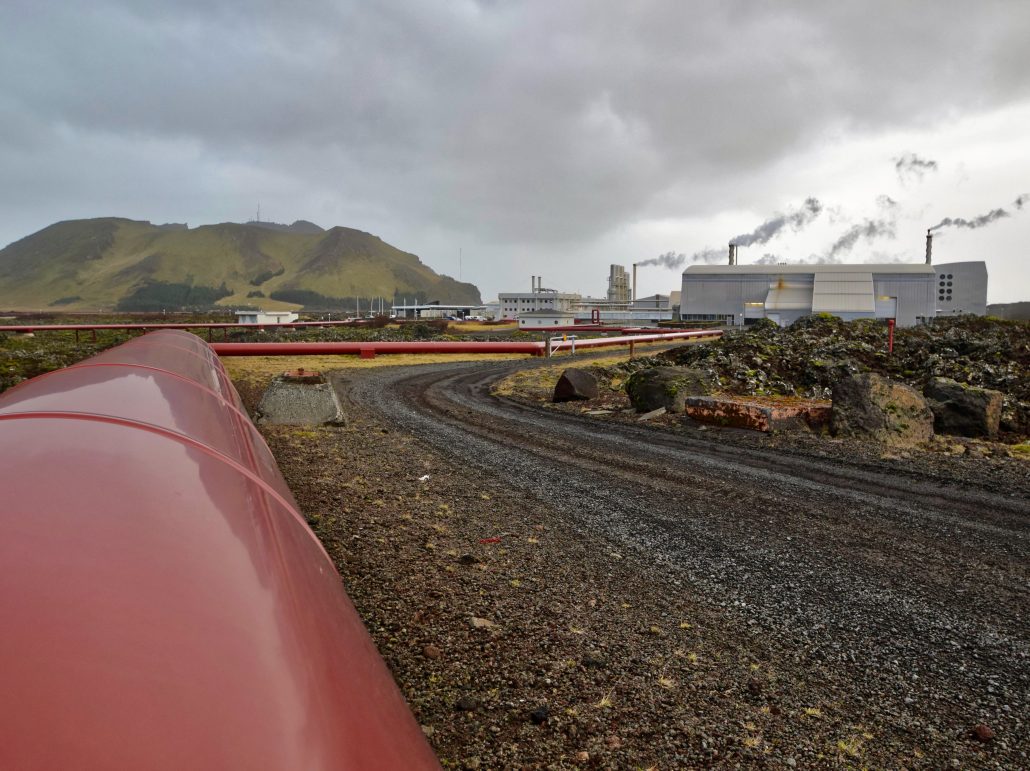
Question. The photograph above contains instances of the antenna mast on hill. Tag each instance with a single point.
(258, 218)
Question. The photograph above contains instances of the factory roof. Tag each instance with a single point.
(775, 270)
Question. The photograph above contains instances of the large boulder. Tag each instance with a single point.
(872, 406)
(963, 409)
(668, 387)
(575, 384)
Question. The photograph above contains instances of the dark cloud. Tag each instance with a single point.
(910, 166)
(521, 122)
(796, 220)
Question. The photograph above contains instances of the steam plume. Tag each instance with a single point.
(976, 222)
(911, 165)
(983, 219)
(869, 229)
(675, 260)
(796, 220)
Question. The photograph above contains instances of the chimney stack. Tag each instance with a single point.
(929, 247)
(633, 296)
(532, 283)
(733, 254)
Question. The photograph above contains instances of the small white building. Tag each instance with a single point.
(265, 317)
(531, 320)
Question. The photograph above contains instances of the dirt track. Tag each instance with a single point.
(845, 616)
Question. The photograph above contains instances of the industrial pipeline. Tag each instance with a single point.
(371, 349)
(164, 604)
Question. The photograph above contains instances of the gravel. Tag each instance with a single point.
(659, 595)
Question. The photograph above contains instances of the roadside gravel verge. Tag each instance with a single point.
(555, 592)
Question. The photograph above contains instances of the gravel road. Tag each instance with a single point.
(735, 604)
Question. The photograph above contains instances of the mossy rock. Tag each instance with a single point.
(668, 387)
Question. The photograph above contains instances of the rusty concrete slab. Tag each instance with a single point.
(760, 413)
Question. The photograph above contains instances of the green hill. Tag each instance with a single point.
(1012, 311)
(114, 263)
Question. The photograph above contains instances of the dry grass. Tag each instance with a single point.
(540, 381)
(262, 368)
(478, 326)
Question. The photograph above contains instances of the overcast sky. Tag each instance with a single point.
(547, 138)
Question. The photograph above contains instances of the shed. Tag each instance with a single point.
(265, 317)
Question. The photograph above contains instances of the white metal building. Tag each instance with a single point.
(961, 288)
(266, 317)
(739, 294)
(538, 319)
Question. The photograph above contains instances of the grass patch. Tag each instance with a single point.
(539, 382)
(474, 327)
(263, 368)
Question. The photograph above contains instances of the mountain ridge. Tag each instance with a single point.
(122, 264)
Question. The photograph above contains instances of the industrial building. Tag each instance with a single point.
(514, 304)
(619, 290)
(544, 319)
(265, 317)
(435, 310)
(961, 287)
(738, 295)
(619, 307)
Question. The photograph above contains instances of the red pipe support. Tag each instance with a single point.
(164, 604)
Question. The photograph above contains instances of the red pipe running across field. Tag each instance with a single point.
(315, 349)
(164, 605)
(471, 346)
(573, 329)
(603, 342)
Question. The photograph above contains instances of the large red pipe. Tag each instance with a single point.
(164, 605)
(314, 349)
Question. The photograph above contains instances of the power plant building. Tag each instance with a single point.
(514, 304)
(738, 295)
